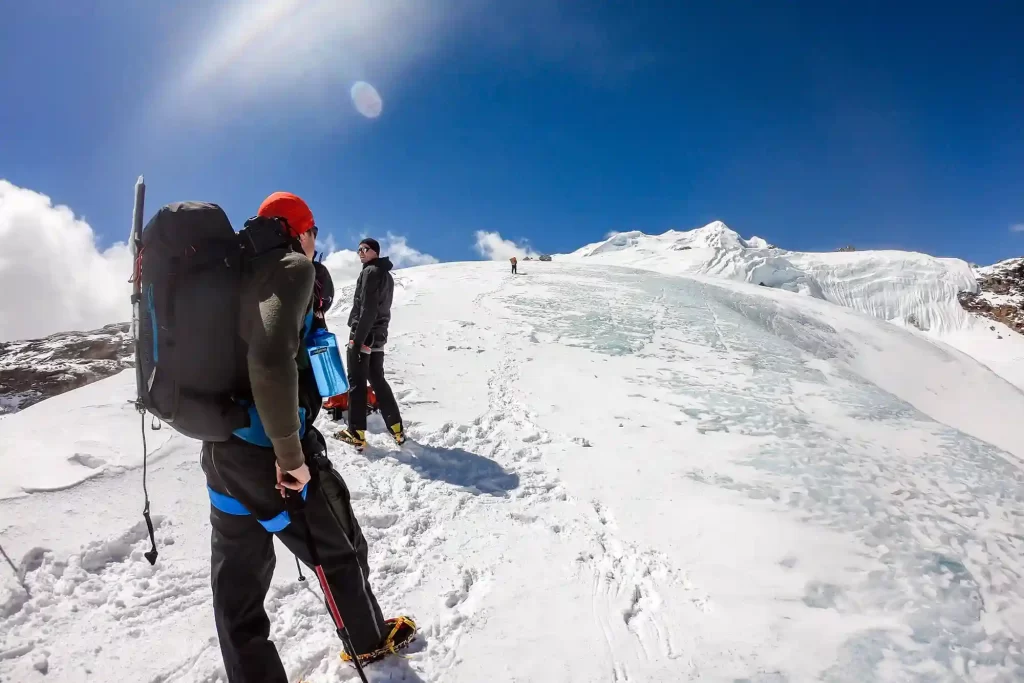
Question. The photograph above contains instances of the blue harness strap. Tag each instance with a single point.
(232, 506)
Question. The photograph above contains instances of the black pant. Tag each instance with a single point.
(513, 268)
(363, 367)
(243, 554)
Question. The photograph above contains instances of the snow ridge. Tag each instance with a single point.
(906, 288)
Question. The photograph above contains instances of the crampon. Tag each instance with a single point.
(403, 632)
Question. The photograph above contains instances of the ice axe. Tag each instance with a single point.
(296, 508)
(135, 243)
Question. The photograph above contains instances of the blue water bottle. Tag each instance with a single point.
(325, 358)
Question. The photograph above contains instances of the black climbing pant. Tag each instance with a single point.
(243, 557)
(363, 367)
(513, 269)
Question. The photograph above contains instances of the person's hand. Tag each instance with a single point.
(292, 479)
(362, 349)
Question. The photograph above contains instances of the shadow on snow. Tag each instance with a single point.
(471, 472)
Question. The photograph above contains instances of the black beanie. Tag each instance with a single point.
(372, 244)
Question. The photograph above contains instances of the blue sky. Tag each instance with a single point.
(879, 124)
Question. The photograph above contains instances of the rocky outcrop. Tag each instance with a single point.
(34, 370)
(1001, 295)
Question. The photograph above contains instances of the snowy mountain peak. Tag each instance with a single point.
(714, 235)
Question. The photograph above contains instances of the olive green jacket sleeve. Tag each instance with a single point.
(276, 297)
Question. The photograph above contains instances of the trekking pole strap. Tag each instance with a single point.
(152, 553)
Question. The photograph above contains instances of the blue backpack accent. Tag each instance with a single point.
(307, 324)
(257, 435)
(156, 330)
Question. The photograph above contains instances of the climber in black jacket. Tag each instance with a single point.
(368, 334)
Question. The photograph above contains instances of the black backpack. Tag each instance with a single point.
(190, 366)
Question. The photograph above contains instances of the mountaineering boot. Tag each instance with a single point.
(398, 434)
(403, 632)
(355, 438)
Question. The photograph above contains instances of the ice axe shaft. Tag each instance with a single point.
(135, 243)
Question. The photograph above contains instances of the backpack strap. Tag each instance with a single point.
(261, 234)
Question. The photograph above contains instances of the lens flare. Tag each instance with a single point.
(366, 100)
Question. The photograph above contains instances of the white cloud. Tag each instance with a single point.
(402, 255)
(493, 247)
(53, 278)
(345, 266)
(326, 243)
(1019, 227)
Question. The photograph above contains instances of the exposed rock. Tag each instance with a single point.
(34, 370)
(1001, 295)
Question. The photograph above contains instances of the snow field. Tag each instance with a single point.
(612, 475)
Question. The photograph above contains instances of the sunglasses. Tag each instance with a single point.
(362, 250)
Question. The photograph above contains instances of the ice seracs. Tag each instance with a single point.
(905, 288)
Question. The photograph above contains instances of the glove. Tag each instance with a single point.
(362, 349)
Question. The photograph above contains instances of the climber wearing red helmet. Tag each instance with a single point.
(278, 461)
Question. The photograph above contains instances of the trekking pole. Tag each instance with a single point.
(295, 503)
(17, 574)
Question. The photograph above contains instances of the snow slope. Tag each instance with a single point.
(910, 289)
(903, 287)
(614, 475)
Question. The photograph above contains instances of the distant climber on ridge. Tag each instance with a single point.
(368, 333)
(513, 260)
